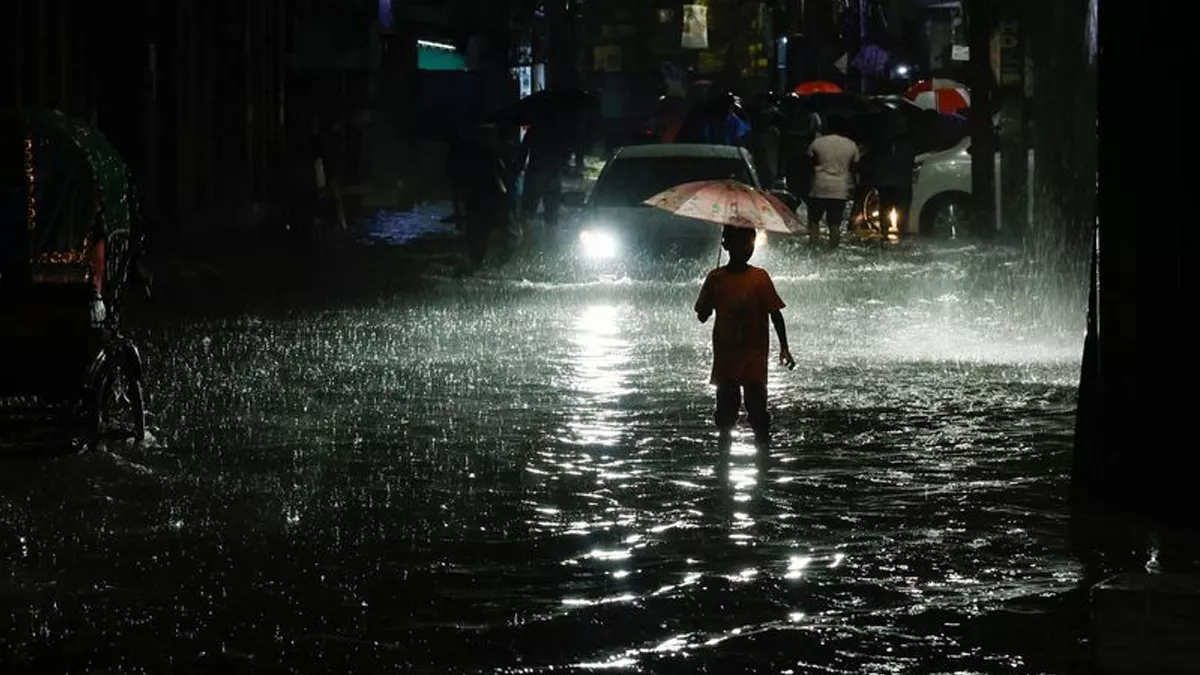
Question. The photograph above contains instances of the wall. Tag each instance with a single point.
(191, 92)
(1135, 446)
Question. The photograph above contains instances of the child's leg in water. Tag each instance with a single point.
(756, 411)
(729, 403)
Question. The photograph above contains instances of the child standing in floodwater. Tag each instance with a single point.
(743, 297)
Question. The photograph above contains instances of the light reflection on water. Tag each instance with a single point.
(599, 374)
(518, 472)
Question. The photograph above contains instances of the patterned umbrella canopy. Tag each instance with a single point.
(64, 192)
(944, 96)
(73, 183)
(728, 202)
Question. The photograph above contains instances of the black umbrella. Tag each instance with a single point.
(552, 106)
(827, 103)
(855, 112)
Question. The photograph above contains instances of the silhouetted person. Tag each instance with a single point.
(834, 159)
(798, 134)
(455, 177)
(314, 191)
(743, 298)
(720, 121)
(543, 155)
(888, 168)
(330, 151)
(480, 176)
(765, 142)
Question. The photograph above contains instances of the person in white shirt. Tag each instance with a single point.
(835, 160)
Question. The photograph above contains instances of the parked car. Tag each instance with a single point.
(941, 199)
(614, 224)
(942, 205)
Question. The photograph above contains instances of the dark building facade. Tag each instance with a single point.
(191, 92)
(212, 101)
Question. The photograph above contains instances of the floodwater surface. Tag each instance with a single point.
(517, 472)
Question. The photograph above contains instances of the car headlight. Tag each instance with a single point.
(598, 244)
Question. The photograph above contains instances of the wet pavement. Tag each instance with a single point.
(516, 472)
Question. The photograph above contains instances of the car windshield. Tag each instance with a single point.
(631, 181)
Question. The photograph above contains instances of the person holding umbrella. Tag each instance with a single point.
(543, 155)
(742, 297)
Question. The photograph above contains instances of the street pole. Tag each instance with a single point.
(41, 54)
(787, 13)
(562, 64)
(185, 79)
(980, 19)
(1012, 35)
(151, 200)
(248, 98)
(18, 50)
(64, 57)
(852, 29)
(862, 42)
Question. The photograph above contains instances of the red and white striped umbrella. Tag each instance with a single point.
(944, 96)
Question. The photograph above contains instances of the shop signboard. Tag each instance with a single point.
(695, 27)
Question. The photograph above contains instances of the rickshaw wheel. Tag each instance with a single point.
(117, 412)
(871, 212)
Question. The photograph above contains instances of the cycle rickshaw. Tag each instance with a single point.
(67, 236)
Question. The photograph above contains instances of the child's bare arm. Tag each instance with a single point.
(704, 304)
(785, 354)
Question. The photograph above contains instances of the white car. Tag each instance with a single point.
(941, 200)
(614, 224)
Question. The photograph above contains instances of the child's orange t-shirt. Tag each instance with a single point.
(743, 302)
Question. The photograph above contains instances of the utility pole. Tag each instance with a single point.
(1012, 38)
(862, 41)
(980, 18)
(151, 200)
(854, 43)
(247, 104)
(562, 56)
(18, 43)
(392, 126)
(786, 15)
(41, 54)
(65, 57)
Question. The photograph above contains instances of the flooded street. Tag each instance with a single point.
(517, 473)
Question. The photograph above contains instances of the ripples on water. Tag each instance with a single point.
(517, 472)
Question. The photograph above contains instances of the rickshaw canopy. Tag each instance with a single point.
(63, 188)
